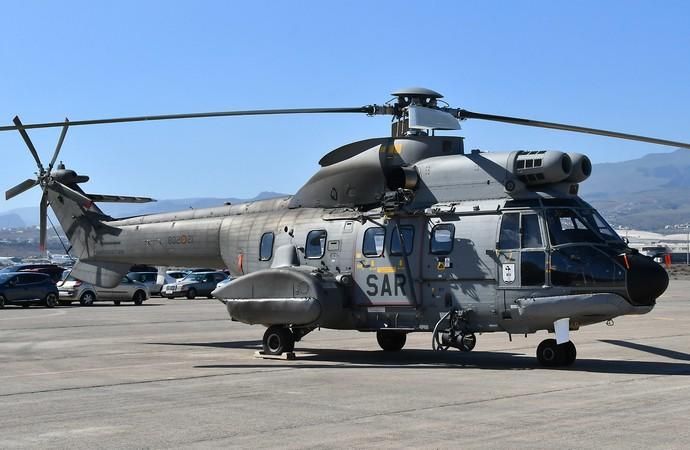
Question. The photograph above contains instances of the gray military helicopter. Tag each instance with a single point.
(391, 235)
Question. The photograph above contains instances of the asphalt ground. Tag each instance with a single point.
(178, 373)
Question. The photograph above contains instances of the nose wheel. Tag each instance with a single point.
(551, 354)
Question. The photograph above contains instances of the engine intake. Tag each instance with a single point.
(542, 167)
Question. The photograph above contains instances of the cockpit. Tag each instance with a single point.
(566, 243)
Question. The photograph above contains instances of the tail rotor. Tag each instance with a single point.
(44, 180)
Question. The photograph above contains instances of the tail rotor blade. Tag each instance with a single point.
(21, 187)
(25, 136)
(59, 145)
(43, 228)
(70, 193)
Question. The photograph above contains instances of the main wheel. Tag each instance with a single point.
(2, 301)
(116, 302)
(87, 298)
(278, 339)
(191, 293)
(138, 298)
(51, 300)
(391, 341)
(550, 354)
(26, 305)
(569, 353)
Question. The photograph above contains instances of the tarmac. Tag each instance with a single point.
(179, 373)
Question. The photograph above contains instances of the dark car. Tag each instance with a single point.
(26, 289)
(196, 283)
(52, 270)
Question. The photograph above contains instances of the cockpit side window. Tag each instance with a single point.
(565, 227)
(508, 237)
(531, 233)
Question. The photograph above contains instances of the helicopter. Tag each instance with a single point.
(392, 235)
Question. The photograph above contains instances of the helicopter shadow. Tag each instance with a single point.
(320, 358)
(671, 354)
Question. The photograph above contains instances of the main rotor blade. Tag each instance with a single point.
(59, 145)
(70, 193)
(256, 112)
(43, 228)
(21, 187)
(22, 130)
(119, 198)
(464, 114)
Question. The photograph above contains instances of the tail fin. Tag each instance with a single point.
(85, 226)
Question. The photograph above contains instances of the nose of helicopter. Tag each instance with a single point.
(646, 280)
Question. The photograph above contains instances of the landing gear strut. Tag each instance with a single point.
(551, 354)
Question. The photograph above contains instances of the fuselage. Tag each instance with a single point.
(517, 265)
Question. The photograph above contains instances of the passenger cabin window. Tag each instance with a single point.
(508, 237)
(442, 237)
(407, 232)
(266, 246)
(316, 244)
(374, 242)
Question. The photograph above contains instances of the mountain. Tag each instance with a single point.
(648, 193)
(11, 220)
(29, 216)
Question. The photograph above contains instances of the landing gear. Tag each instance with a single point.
(391, 341)
(456, 335)
(551, 354)
(278, 339)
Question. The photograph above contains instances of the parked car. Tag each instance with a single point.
(26, 289)
(176, 275)
(150, 279)
(224, 282)
(196, 283)
(53, 270)
(86, 294)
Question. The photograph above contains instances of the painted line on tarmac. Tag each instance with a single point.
(56, 313)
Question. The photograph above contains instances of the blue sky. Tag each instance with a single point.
(621, 65)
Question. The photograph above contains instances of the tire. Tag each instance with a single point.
(277, 340)
(116, 302)
(468, 342)
(569, 353)
(391, 341)
(170, 298)
(191, 293)
(26, 305)
(2, 301)
(139, 297)
(549, 353)
(51, 300)
(87, 298)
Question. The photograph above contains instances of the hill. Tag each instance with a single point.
(648, 193)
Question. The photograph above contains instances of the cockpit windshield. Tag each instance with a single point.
(567, 227)
(598, 223)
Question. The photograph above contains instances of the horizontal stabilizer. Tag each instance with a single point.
(119, 198)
